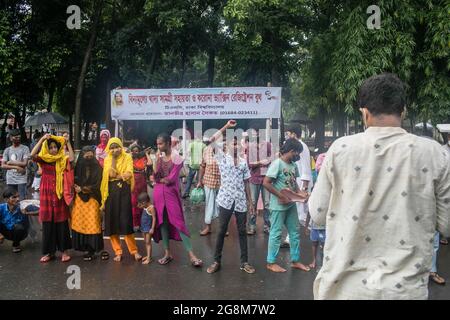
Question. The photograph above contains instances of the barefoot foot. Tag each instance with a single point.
(275, 268)
(300, 266)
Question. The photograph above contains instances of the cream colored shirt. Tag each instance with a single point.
(382, 195)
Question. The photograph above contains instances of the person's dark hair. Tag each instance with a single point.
(14, 132)
(296, 129)
(143, 197)
(37, 135)
(135, 146)
(50, 141)
(9, 192)
(383, 94)
(291, 144)
(164, 137)
(88, 149)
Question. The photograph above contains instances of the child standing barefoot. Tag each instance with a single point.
(317, 236)
(148, 222)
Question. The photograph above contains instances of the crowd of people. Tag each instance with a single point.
(380, 202)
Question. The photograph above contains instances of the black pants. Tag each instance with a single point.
(55, 236)
(224, 220)
(17, 234)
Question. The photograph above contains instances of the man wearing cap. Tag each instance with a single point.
(15, 160)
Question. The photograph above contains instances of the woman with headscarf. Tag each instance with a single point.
(100, 152)
(86, 219)
(54, 211)
(140, 183)
(167, 200)
(116, 187)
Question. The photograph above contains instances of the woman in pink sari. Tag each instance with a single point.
(100, 153)
(167, 201)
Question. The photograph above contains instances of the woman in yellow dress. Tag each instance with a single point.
(86, 218)
(117, 185)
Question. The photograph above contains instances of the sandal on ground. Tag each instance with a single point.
(213, 268)
(88, 257)
(147, 260)
(118, 258)
(247, 268)
(205, 233)
(16, 249)
(285, 245)
(437, 278)
(197, 263)
(65, 258)
(47, 258)
(137, 257)
(165, 260)
(104, 255)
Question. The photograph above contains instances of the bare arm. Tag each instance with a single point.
(38, 145)
(267, 183)
(9, 165)
(230, 124)
(249, 197)
(113, 171)
(153, 212)
(201, 173)
(18, 163)
(71, 153)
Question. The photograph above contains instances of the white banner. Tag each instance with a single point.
(196, 103)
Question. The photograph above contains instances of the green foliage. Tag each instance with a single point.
(319, 51)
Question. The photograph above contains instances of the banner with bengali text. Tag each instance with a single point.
(196, 103)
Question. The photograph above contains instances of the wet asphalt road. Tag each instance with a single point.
(23, 277)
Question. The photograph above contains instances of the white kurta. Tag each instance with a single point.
(304, 169)
(382, 195)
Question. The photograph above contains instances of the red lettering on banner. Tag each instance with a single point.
(153, 99)
(221, 97)
(181, 98)
(165, 97)
(204, 97)
(137, 99)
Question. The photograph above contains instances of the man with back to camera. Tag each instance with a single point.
(382, 194)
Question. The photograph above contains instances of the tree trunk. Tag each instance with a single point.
(3, 131)
(108, 120)
(335, 127)
(211, 65)
(70, 126)
(341, 123)
(320, 130)
(19, 120)
(183, 68)
(86, 131)
(51, 93)
(154, 58)
(83, 71)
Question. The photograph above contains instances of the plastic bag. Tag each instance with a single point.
(197, 195)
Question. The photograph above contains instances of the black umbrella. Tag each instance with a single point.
(45, 118)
